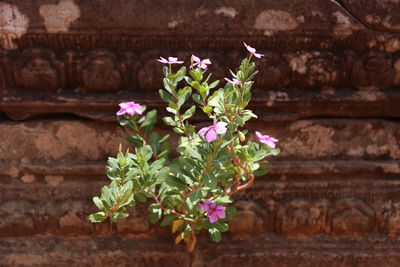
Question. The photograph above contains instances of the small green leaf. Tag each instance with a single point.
(196, 98)
(260, 172)
(165, 96)
(178, 130)
(119, 215)
(156, 211)
(189, 113)
(140, 197)
(207, 109)
(171, 110)
(97, 217)
(169, 121)
(213, 84)
(98, 203)
(168, 220)
(215, 234)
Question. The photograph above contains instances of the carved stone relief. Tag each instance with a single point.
(101, 70)
(40, 70)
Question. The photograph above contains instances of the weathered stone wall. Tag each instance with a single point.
(328, 88)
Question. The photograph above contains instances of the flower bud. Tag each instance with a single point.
(242, 137)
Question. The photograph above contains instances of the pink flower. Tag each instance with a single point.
(214, 211)
(201, 63)
(233, 81)
(253, 51)
(130, 108)
(266, 139)
(171, 60)
(212, 131)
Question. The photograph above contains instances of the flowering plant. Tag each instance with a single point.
(193, 191)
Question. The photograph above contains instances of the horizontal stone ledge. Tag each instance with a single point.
(269, 105)
(68, 142)
(261, 251)
(275, 168)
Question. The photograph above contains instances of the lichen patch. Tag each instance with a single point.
(58, 18)
(344, 25)
(275, 20)
(13, 24)
(229, 12)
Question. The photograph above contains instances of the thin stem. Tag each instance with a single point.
(158, 201)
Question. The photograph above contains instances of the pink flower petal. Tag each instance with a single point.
(221, 214)
(211, 135)
(270, 144)
(121, 112)
(162, 60)
(204, 130)
(249, 48)
(196, 59)
(233, 81)
(219, 207)
(138, 109)
(203, 207)
(213, 218)
(220, 127)
(273, 139)
(212, 205)
(207, 61)
(259, 135)
(258, 55)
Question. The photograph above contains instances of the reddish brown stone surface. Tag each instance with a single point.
(327, 88)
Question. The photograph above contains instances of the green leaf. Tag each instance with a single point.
(215, 234)
(183, 95)
(171, 110)
(167, 86)
(196, 196)
(155, 209)
(135, 140)
(168, 220)
(149, 121)
(189, 113)
(224, 199)
(213, 84)
(97, 217)
(165, 96)
(207, 109)
(107, 196)
(140, 197)
(221, 226)
(196, 74)
(126, 196)
(97, 201)
(164, 138)
(192, 151)
(209, 181)
(260, 172)
(119, 215)
(169, 121)
(175, 182)
(196, 98)
(178, 130)
(230, 213)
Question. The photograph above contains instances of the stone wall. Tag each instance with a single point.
(327, 88)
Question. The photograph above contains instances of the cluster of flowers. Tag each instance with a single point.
(212, 211)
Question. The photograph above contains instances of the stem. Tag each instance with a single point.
(173, 211)
(248, 173)
(191, 244)
(144, 137)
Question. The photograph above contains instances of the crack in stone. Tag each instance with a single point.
(344, 6)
